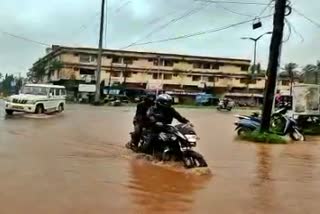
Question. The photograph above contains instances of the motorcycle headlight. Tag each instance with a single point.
(192, 138)
(173, 138)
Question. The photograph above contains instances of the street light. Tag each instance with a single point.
(255, 40)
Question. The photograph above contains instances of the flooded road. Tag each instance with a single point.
(75, 162)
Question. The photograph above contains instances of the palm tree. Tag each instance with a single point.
(289, 70)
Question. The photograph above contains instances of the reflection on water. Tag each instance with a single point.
(156, 189)
(263, 188)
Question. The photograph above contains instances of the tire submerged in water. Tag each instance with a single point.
(193, 159)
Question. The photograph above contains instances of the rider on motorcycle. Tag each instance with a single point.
(140, 119)
(160, 114)
(225, 102)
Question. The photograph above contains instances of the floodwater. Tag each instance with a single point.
(75, 162)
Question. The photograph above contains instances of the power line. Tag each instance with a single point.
(295, 30)
(233, 2)
(24, 38)
(265, 8)
(200, 32)
(307, 18)
(159, 28)
(231, 11)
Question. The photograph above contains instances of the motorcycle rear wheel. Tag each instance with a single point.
(193, 159)
(242, 131)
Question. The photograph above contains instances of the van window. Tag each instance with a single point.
(57, 90)
(63, 92)
(51, 92)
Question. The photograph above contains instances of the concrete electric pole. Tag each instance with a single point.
(99, 59)
(274, 60)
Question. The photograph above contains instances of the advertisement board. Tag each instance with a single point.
(306, 99)
(87, 88)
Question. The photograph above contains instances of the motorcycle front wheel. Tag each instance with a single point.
(297, 136)
(193, 159)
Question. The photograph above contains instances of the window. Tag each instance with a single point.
(51, 92)
(244, 67)
(175, 75)
(76, 69)
(116, 59)
(244, 81)
(75, 54)
(86, 58)
(253, 81)
(211, 79)
(127, 74)
(135, 72)
(197, 65)
(128, 61)
(155, 76)
(87, 71)
(155, 62)
(168, 63)
(115, 74)
(63, 92)
(196, 78)
(206, 66)
(57, 92)
(150, 60)
(215, 66)
(167, 76)
(285, 82)
(248, 81)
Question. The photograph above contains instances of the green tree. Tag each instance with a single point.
(289, 70)
(55, 65)
(1, 76)
(38, 71)
(6, 84)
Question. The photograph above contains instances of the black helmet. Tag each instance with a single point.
(164, 100)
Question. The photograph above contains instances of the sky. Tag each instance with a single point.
(76, 23)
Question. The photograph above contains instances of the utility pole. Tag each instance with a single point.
(98, 71)
(274, 58)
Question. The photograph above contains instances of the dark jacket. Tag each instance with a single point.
(141, 112)
(165, 116)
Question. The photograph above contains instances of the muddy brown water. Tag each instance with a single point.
(75, 162)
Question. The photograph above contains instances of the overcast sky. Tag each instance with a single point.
(76, 23)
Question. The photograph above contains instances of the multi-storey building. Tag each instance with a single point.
(179, 74)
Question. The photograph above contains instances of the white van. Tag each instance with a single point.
(37, 98)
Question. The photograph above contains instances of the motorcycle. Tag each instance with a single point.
(176, 143)
(222, 106)
(251, 123)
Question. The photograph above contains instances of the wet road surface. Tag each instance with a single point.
(75, 163)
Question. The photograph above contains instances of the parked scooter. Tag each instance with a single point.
(250, 123)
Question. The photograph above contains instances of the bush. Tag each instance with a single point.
(258, 137)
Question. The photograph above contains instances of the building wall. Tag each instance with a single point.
(143, 68)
